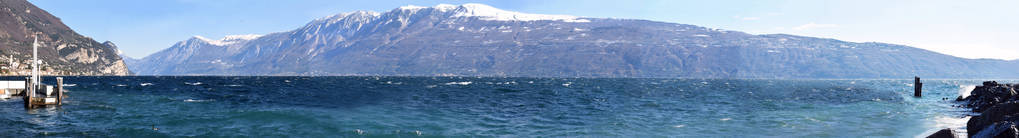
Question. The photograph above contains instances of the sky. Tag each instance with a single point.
(968, 29)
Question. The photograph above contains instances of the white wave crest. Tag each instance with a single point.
(964, 90)
(459, 83)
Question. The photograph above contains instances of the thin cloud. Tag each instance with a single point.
(812, 25)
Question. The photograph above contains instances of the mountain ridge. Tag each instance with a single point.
(439, 41)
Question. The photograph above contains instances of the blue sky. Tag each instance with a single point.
(970, 29)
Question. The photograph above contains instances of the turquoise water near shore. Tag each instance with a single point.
(487, 107)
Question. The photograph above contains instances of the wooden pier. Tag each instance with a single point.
(44, 95)
(34, 93)
(11, 88)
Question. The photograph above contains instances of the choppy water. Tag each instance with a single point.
(472, 106)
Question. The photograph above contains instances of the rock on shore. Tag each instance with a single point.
(943, 133)
(998, 105)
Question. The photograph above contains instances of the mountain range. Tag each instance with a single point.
(480, 40)
(61, 50)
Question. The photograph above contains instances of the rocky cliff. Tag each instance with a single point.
(62, 51)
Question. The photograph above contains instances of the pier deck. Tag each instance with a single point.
(39, 96)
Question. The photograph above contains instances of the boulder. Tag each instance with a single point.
(998, 114)
(990, 83)
(1003, 129)
(943, 133)
(998, 105)
(990, 94)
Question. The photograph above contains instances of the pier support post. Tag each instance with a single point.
(60, 90)
(29, 91)
(917, 87)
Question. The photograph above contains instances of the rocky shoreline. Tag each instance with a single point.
(998, 105)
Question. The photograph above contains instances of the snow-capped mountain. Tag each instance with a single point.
(479, 40)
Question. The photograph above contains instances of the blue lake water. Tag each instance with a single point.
(148, 106)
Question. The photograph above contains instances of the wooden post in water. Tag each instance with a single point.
(60, 90)
(917, 87)
(28, 92)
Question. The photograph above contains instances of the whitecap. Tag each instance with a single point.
(69, 85)
(146, 84)
(359, 131)
(679, 126)
(459, 83)
(195, 83)
(941, 122)
(813, 120)
(725, 119)
(120, 85)
(193, 100)
(950, 122)
(506, 83)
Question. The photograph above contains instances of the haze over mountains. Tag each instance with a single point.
(480, 40)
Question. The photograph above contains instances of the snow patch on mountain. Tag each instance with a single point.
(445, 7)
(485, 12)
(341, 16)
(229, 39)
(240, 37)
(481, 11)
